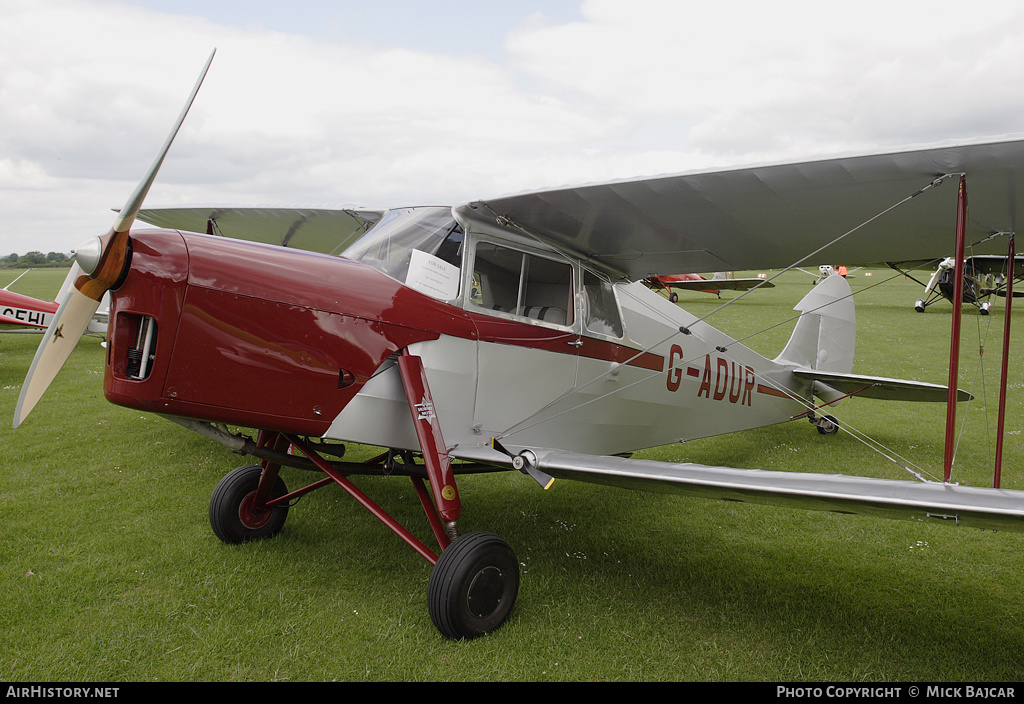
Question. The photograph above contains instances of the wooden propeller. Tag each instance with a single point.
(100, 264)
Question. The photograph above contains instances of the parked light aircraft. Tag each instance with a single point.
(984, 276)
(721, 281)
(19, 311)
(25, 313)
(516, 332)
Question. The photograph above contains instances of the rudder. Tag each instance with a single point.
(825, 336)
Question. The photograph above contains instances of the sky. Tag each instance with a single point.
(339, 103)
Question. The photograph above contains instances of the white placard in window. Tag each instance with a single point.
(432, 276)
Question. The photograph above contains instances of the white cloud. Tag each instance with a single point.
(770, 77)
(91, 87)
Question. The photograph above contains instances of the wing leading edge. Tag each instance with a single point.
(1001, 509)
(767, 217)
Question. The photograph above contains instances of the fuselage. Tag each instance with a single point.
(518, 342)
(18, 310)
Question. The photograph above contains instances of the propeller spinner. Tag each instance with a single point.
(101, 263)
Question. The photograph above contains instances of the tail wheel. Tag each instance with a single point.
(233, 514)
(828, 425)
(473, 586)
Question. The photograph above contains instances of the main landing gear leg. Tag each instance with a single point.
(246, 503)
(474, 583)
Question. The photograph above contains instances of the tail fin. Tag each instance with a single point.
(821, 349)
(825, 337)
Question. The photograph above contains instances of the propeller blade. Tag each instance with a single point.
(99, 265)
(131, 208)
(68, 325)
(524, 463)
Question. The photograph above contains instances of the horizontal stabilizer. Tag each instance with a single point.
(879, 387)
(1001, 509)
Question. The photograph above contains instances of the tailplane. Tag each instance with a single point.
(822, 347)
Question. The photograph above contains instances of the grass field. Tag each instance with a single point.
(109, 570)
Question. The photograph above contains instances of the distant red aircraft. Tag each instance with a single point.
(24, 311)
(696, 282)
(28, 314)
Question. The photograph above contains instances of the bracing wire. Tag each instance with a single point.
(539, 416)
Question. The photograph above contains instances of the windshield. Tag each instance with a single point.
(389, 246)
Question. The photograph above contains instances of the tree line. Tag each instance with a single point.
(34, 260)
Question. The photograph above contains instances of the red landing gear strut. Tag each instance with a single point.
(475, 580)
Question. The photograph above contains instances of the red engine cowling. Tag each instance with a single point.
(258, 336)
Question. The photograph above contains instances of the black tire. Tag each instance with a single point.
(473, 586)
(230, 515)
(673, 297)
(828, 425)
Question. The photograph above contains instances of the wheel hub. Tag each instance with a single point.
(251, 515)
(485, 592)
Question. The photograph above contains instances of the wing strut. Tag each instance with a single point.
(1006, 358)
(954, 337)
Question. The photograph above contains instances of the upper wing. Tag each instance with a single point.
(994, 264)
(774, 216)
(321, 230)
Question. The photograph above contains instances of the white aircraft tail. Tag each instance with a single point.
(822, 347)
(825, 337)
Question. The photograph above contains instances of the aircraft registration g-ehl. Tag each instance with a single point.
(516, 333)
(27, 314)
(20, 312)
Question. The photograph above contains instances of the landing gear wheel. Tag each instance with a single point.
(233, 517)
(673, 297)
(919, 306)
(473, 586)
(828, 425)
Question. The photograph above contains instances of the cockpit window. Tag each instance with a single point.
(601, 314)
(522, 284)
(389, 247)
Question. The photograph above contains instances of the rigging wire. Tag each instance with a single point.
(525, 423)
(890, 454)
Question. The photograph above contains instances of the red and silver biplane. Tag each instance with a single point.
(516, 333)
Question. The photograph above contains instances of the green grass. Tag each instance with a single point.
(109, 570)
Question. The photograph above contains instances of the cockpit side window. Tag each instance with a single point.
(601, 313)
(522, 284)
